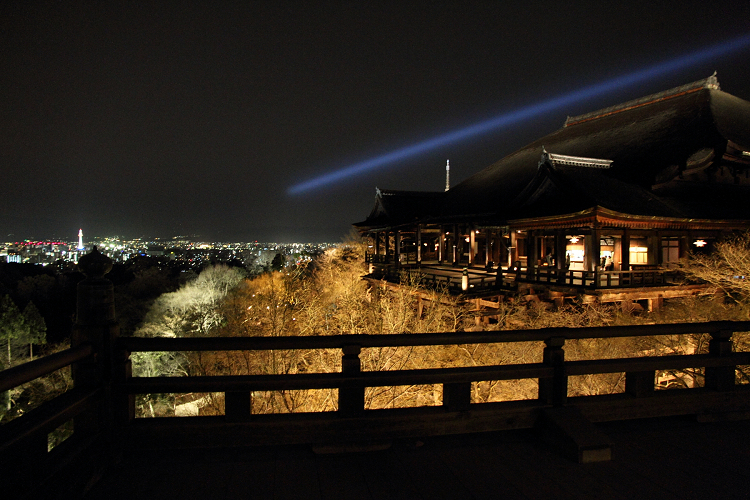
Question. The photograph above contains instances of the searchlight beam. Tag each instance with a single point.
(525, 113)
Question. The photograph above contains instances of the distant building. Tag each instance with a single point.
(623, 190)
(155, 250)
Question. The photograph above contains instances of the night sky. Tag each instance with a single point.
(155, 119)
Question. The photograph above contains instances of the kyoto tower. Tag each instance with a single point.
(80, 239)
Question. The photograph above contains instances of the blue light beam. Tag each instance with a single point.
(526, 113)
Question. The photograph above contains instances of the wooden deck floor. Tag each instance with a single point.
(653, 459)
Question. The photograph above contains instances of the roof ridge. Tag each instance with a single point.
(707, 83)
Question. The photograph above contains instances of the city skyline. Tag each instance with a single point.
(174, 119)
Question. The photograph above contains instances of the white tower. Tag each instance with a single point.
(80, 239)
(447, 175)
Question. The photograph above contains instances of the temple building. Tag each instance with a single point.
(602, 207)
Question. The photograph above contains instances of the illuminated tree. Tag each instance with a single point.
(193, 309)
(37, 328)
(727, 268)
(14, 330)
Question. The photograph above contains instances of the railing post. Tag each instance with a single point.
(237, 406)
(351, 396)
(554, 391)
(720, 378)
(124, 403)
(96, 325)
(457, 396)
(640, 384)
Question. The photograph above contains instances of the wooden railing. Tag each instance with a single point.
(593, 279)
(475, 279)
(112, 402)
(31, 464)
(511, 276)
(405, 258)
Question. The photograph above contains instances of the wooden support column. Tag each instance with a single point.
(593, 250)
(489, 247)
(554, 391)
(96, 324)
(561, 244)
(472, 246)
(419, 244)
(640, 384)
(397, 247)
(685, 244)
(456, 244)
(441, 245)
(351, 396)
(387, 238)
(457, 396)
(237, 406)
(560, 247)
(720, 378)
(625, 249)
(377, 245)
(532, 255)
(659, 257)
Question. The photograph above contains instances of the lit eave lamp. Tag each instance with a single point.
(700, 243)
(574, 239)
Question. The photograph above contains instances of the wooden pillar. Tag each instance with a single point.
(96, 324)
(457, 396)
(640, 384)
(532, 254)
(472, 246)
(237, 406)
(659, 257)
(685, 244)
(441, 245)
(625, 249)
(351, 395)
(377, 244)
(651, 248)
(387, 245)
(554, 390)
(561, 244)
(720, 378)
(419, 243)
(593, 250)
(397, 247)
(489, 247)
(456, 243)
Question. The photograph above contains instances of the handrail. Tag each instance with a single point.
(298, 381)
(20, 374)
(596, 279)
(141, 344)
(650, 363)
(552, 371)
(48, 416)
(240, 425)
(301, 381)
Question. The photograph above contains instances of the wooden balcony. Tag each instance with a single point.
(476, 279)
(101, 405)
(532, 448)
